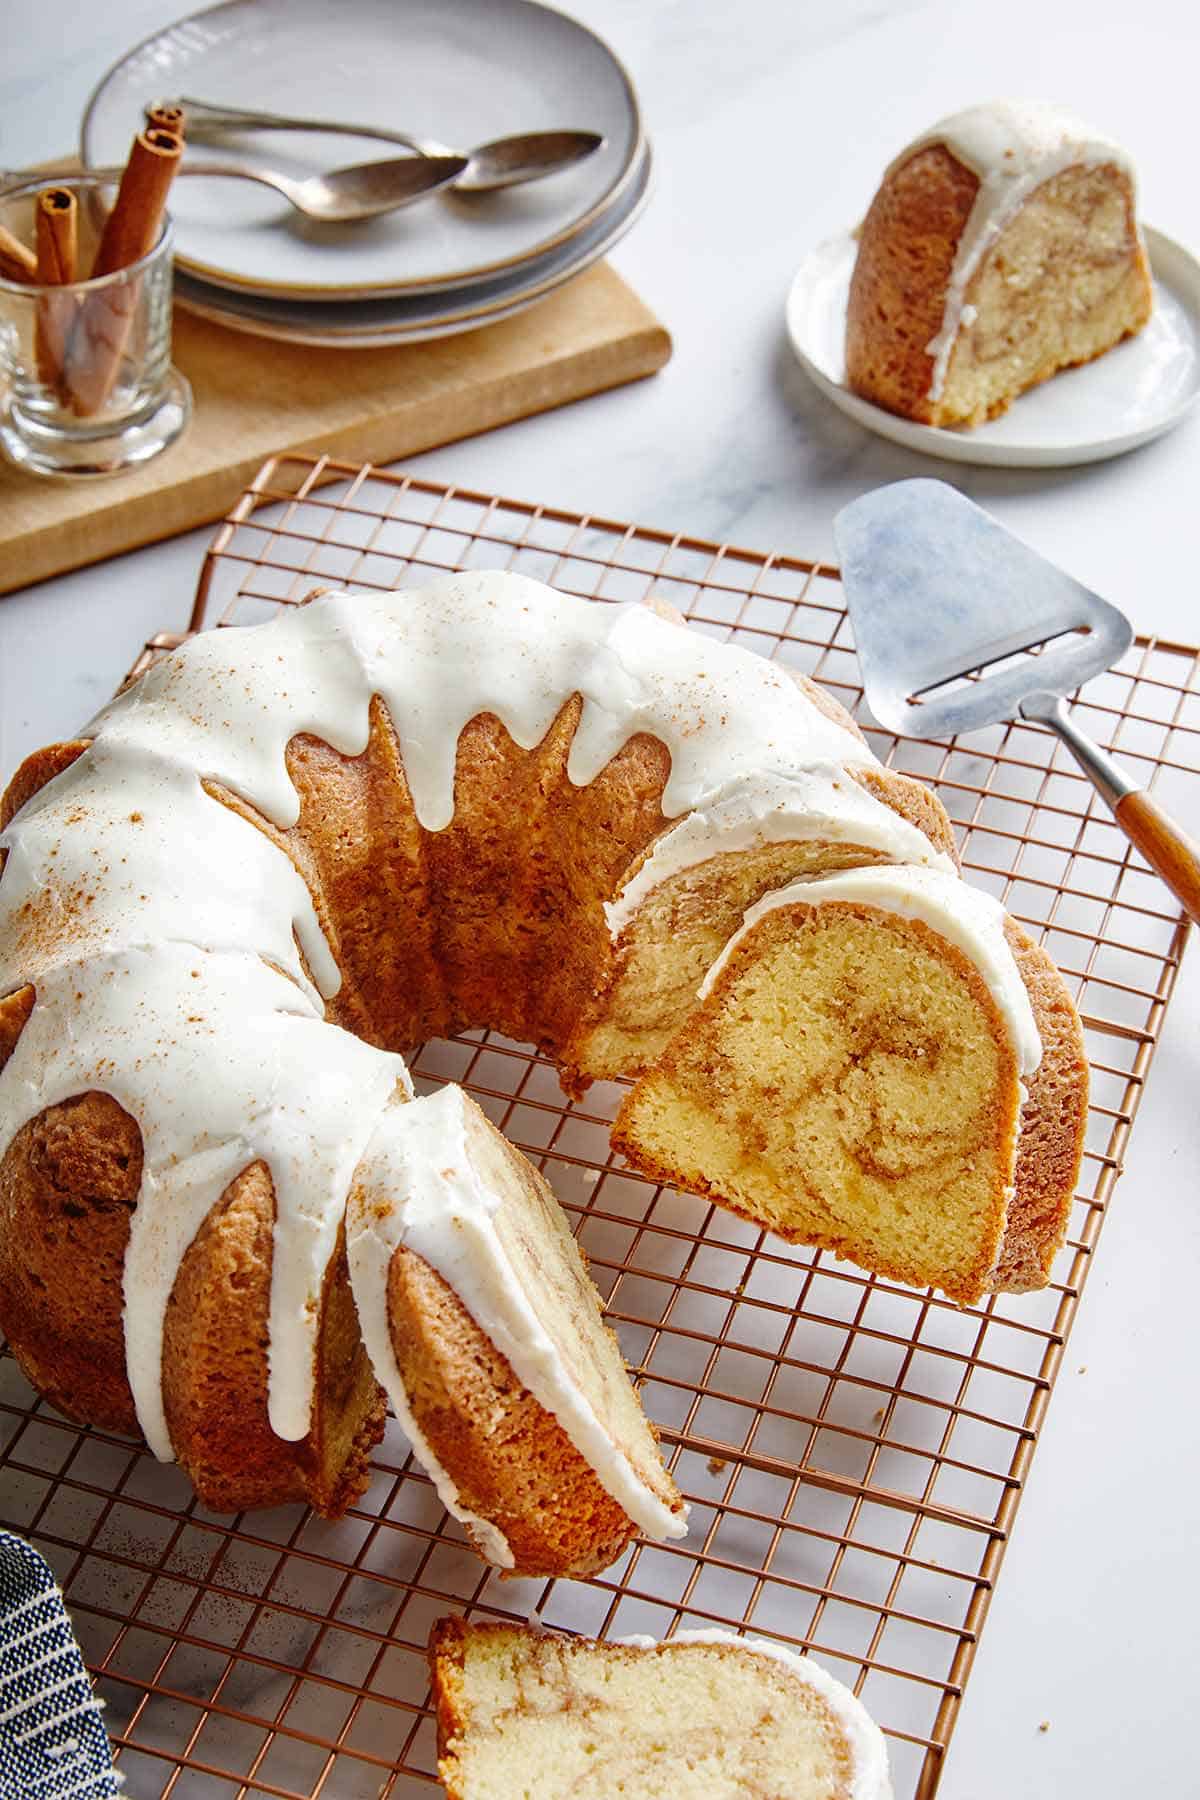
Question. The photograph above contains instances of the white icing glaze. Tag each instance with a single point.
(185, 997)
(440, 656)
(368, 1255)
(869, 1778)
(120, 850)
(153, 1028)
(966, 917)
(440, 1206)
(745, 814)
(1013, 147)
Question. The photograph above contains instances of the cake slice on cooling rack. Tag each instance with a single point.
(487, 1334)
(703, 1716)
(883, 1065)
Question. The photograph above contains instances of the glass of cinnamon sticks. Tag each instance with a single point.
(86, 382)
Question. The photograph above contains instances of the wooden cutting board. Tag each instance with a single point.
(254, 398)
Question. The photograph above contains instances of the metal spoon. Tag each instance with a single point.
(361, 191)
(505, 162)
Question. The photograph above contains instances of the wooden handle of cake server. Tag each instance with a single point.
(1168, 850)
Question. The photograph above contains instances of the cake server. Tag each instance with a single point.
(944, 602)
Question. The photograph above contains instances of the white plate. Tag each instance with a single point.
(374, 324)
(1131, 394)
(462, 71)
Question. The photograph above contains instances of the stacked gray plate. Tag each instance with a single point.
(461, 71)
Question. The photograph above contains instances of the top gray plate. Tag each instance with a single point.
(462, 71)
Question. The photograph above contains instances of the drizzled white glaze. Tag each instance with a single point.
(1013, 147)
(223, 1062)
(229, 703)
(869, 1778)
(162, 929)
(824, 803)
(368, 1255)
(442, 1207)
(121, 850)
(965, 916)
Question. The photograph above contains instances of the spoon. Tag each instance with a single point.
(505, 162)
(360, 191)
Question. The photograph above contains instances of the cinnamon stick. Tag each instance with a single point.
(17, 260)
(166, 118)
(133, 225)
(56, 223)
(130, 232)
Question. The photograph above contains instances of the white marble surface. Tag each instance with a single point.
(771, 121)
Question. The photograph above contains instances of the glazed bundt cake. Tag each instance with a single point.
(280, 860)
(284, 856)
(704, 1715)
(885, 1066)
(1001, 246)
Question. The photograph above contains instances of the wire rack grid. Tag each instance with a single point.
(853, 1451)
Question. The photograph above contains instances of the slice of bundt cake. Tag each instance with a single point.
(703, 1716)
(484, 1328)
(1001, 246)
(884, 1066)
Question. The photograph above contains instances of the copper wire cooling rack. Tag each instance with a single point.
(853, 1451)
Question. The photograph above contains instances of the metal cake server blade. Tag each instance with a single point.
(938, 591)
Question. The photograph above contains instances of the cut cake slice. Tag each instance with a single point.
(526, 1715)
(882, 1065)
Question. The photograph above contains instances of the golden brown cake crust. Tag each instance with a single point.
(37, 769)
(826, 703)
(911, 799)
(15, 1010)
(511, 1461)
(68, 1187)
(447, 1655)
(1053, 1124)
(914, 802)
(215, 1370)
(906, 249)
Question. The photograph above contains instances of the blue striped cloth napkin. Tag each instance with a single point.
(52, 1743)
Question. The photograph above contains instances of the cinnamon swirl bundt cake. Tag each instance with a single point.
(286, 855)
(1001, 246)
(705, 1715)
